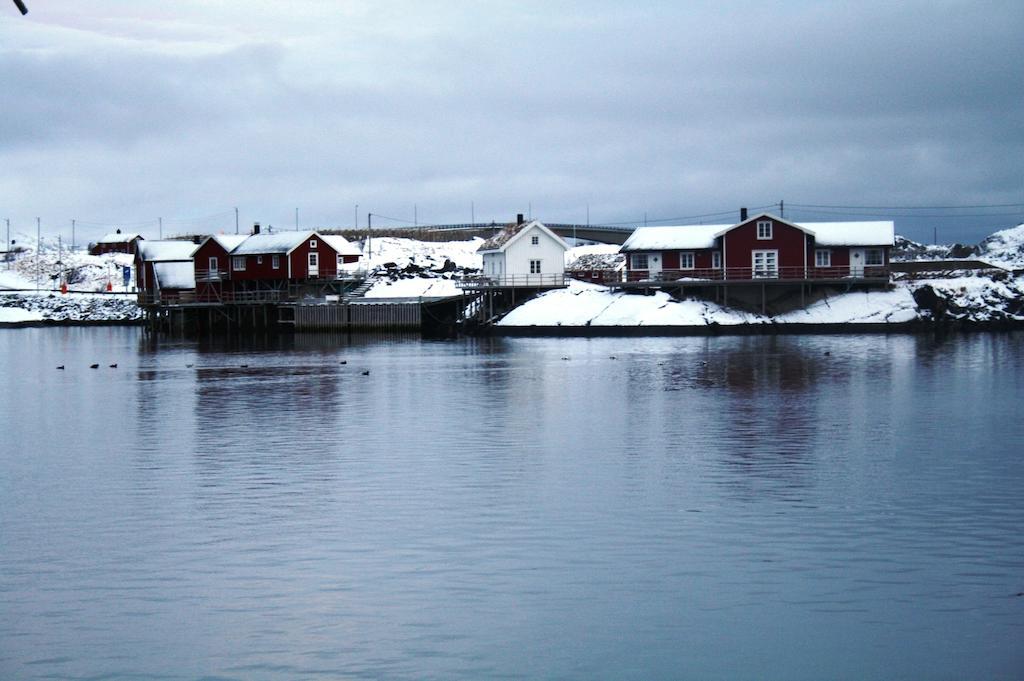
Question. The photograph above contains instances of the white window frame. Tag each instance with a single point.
(639, 261)
(535, 240)
(716, 260)
(767, 273)
(684, 257)
(312, 243)
(876, 261)
(822, 257)
(275, 262)
(535, 266)
(259, 259)
(213, 265)
(764, 230)
(238, 263)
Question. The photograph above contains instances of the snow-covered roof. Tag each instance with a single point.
(342, 245)
(229, 242)
(278, 242)
(118, 238)
(671, 238)
(175, 274)
(155, 251)
(877, 233)
(504, 238)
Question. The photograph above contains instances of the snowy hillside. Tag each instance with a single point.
(1004, 248)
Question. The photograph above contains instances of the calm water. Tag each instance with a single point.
(724, 508)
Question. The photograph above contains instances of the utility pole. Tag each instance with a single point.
(782, 208)
(415, 217)
(529, 210)
(7, 245)
(472, 213)
(161, 223)
(645, 218)
(296, 219)
(72, 236)
(236, 219)
(355, 221)
(39, 247)
(369, 238)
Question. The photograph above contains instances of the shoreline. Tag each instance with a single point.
(763, 329)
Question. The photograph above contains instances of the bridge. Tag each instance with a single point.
(609, 234)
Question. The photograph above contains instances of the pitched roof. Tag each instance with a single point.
(156, 251)
(342, 245)
(278, 242)
(597, 261)
(671, 238)
(511, 232)
(683, 237)
(118, 238)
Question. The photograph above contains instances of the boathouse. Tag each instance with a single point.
(164, 270)
(761, 247)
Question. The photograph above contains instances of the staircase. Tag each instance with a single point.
(360, 291)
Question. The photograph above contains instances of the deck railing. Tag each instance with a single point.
(758, 274)
(514, 280)
(211, 275)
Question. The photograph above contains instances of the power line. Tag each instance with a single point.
(984, 205)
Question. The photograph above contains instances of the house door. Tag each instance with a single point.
(765, 264)
(314, 265)
(213, 275)
(856, 262)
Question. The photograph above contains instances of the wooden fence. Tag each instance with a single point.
(405, 315)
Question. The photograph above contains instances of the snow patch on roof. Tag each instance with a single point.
(667, 238)
(876, 233)
(155, 251)
(230, 241)
(280, 242)
(118, 238)
(342, 245)
(179, 275)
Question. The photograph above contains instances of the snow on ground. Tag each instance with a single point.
(11, 279)
(1004, 248)
(416, 287)
(72, 307)
(583, 304)
(858, 307)
(428, 254)
(14, 315)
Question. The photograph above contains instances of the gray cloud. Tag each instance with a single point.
(656, 109)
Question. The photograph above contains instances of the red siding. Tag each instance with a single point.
(742, 240)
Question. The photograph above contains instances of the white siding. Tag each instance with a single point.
(548, 251)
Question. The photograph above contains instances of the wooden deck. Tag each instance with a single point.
(746, 276)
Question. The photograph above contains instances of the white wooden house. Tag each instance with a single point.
(524, 254)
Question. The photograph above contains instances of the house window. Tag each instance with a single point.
(874, 256)
(534, 240)
(312, 243)
(638, 261)
(275, 262)
(716, 260)
(259, 259)
(764, 229)
(686, 261)
(823, 258)
(238, 263)
(535, 267)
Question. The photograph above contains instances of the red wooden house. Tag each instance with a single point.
(212, 262)
(115, 242)
(761, 247)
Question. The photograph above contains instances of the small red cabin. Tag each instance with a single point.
(115, 242)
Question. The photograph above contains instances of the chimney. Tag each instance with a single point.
(256, 228)
(743, 214)
(519, 218)
(118, 230)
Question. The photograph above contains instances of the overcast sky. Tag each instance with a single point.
(119, 112)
